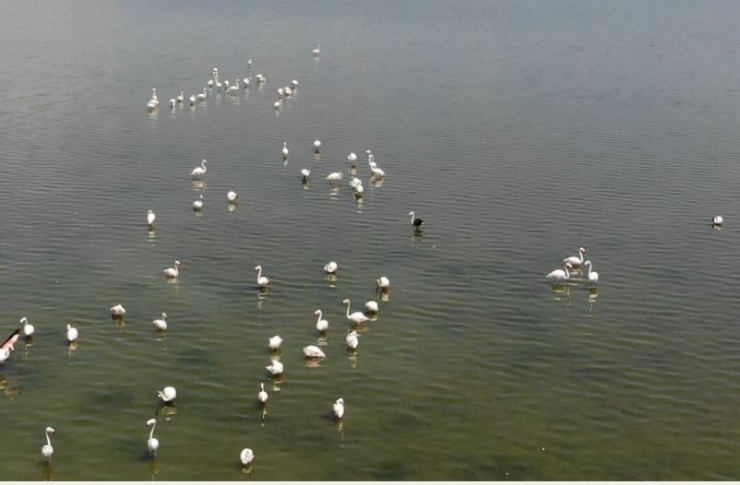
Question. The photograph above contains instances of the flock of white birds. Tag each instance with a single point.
(276, 368)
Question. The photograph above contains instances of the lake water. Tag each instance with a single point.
(519, 130)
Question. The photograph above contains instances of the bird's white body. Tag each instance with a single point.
(593, 276)
(313, 352)
(72, 333)
(118, 310)
(168, 394)
(153, 103)
(173, 272)
(357, 317)
(331, 267)
(352, 156)
(317, 144)
(233, 89)
(4, 354)
(260, 78)
(338, 408)
(232, 196)
(275, 368)
(285, 149)
(161, 323)
(198, 172)
(198, 203)
(261, 280)
(150, 217)
(192, 99)
(180, 97)
(201, 96)
(354, 182)
(576, 260)
(717, 220)
(559, 274)
(246, 456)
(335, 176)
(152, 443)
(322, 325)
(371, 306)
(294, 83)
(262, 395)
(383, 283)
(27, 327)
(47, 450)
(305, 172)
(275, 342)
(317, 50)
(173, 101)
(352, 340)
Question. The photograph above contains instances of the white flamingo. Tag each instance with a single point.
(383, 283)
(246, 456)
(357, 317)
(305, 172)
(198, 203)
(317, 145)
(331, 267)
(285, 150)
(262, 395)
(117, 311)
(338, 408)
(275, 342)
(180, 97)
(161, 323)
(47, 450)
(335, 176)
(352, 340)
(352, 156)
(153, 103)
(313, 352)
(27, 327)
(198, 172)
(717, 220)
(173, 272)
(371, 306)
(576, 260)
(72, 333)
(559, 274)
(233, 89)
(275, 368)
(232, 196)
(150, 217)
(593, 276)
(317, 50)
(168, 394)
(322, 325)
(201, 96)
(152, 443)
(261, 280)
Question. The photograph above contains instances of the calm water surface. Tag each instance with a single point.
(519, 130)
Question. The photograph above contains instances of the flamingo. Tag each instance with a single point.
(576, 260)
(198, 172)
(153, 103)
(275, 368)
(285, 150)
(180, 97)
(313, 352)
(371, 306)
(352, 156)
(383, 283)
(152, 443)
(262, 281)
(72, 333)
(559, 274)
(150, 217)
(352, 340)
(201, 96)
(717, 220)
(305, 172)
(262, 395)
(322, 325)
(338, 408)
(233, 89)
(198, 203)
(173, 272)
(331, 267)
(357, 317)
(246, 456)
(117, 311)
(47, 450)
(593, 276)
(415, 221)
(27, 327)
(232, 196)
(317, 50)
(168, 394)
(161, 323)
(275, 342)
(335, 176)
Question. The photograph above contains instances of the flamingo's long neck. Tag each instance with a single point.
(412, 217)
(151, 433)
(177, 270)
(348, 302)
(259, 273)
(48, 440)
(203, 166)
(580, 253)
(589, 268)
(567, 274)
(319, 319)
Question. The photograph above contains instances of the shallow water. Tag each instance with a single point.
(517, 130)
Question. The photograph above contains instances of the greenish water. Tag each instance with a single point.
(518, 130)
